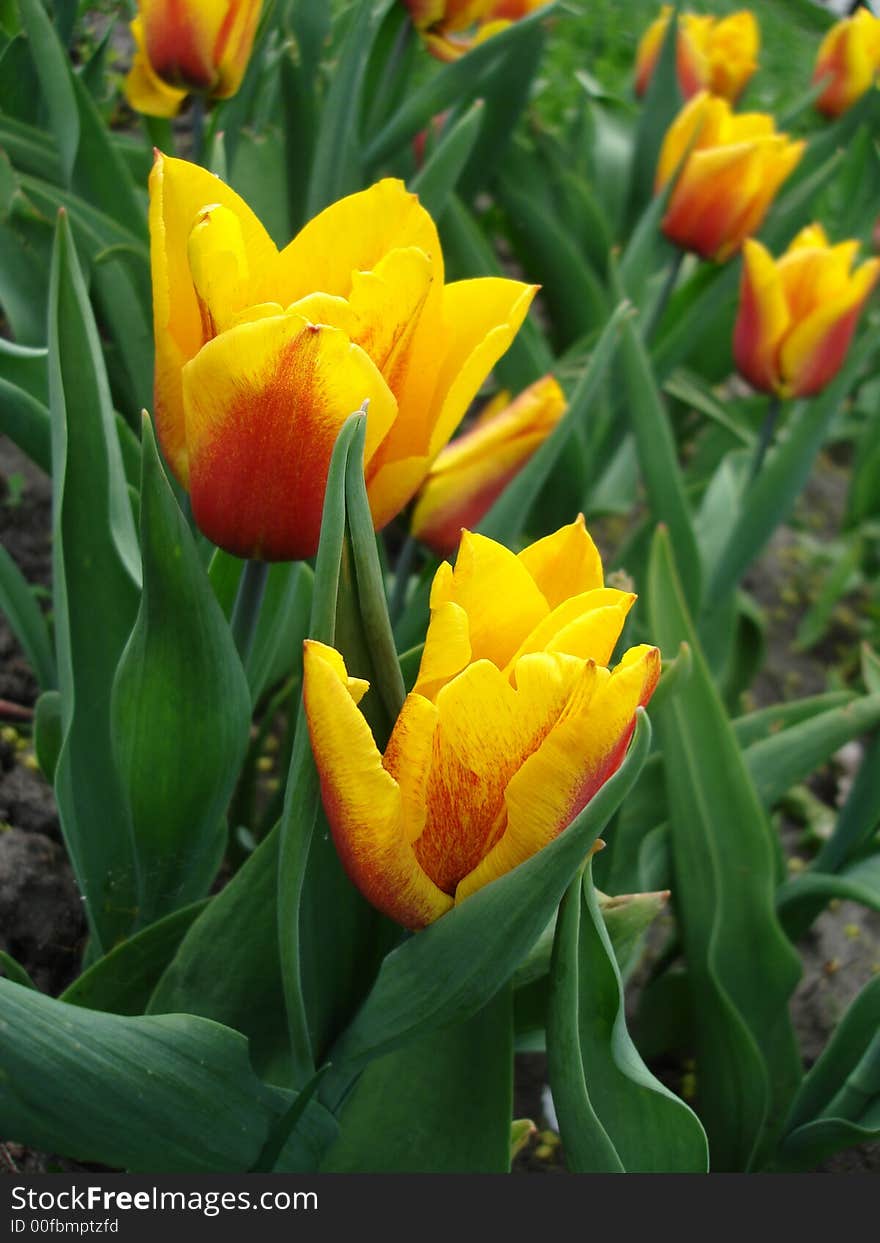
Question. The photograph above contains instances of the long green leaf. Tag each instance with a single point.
(740, 966)
(23, 614)
(25, 420)
(56, 82)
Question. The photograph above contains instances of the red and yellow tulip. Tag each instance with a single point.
(474, 469)
(189, 45)
(797, 314)
(719, 55)
(733, 166)
(261, 355)
(514, 723)
(848, 62)
(450, 28)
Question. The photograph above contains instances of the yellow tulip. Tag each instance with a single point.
(735, 166)
(451, 28)
(715, 54)
(261, 355)
(474, 469)
(848, 62)
(514, 723)
(189, 45)
(797, 314)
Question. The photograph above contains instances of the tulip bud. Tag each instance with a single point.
(733, 167)
(714, 54)
(848, 62)
(183, 46)
(797, 314)
(474, 469)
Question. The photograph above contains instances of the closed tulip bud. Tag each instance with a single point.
(189, 45)
(797, 314)
(848, 62)
(451, 28)
(733, 169)
(715, 54)
(514, 723)
(474, 469)
(261, 355)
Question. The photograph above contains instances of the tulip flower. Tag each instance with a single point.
(797, 314)
(450, 28)
(715, 54)
(261, 355)
(848, 61)
(189, 45)
(514, 723)
(733, 169)
(475, 468)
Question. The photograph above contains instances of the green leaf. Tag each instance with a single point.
(122, 981)
(180, 711)
(25, 420)
(14, 971)
(662, 103)
(102, 1087)
(235, 979)
(48, 733)
(800, 899)
(438, 178)
(740, 966)
(658, 460)
(839, 1101)
(55, 80)
(446, 972)
(276, 652)
(96, 581)
(509, 514)
(614, 1115)
(440, 1105)
(26, 621)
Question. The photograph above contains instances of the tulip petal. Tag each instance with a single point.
(264, 403)
(234, 44)
(814, 352)
(392, 484)
(180, 39)
(483, 317)
(144, 89)
(447, 647)
(362, 800)
(498, 594)
(178, 191)
(587, 626)
(353, 235)
(408, 759)
(762, 319)
(219, 266)
(576, 757)
(565, 563)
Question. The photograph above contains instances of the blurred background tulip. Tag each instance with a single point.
(475, 468)
(848, 62)
(261, 355)
(715, 54)
(184, 46)
(733, 166)
(797, 314)
(451, 28)
(514, 724)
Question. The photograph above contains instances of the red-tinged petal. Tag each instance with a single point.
(575, 759)
(264, 403)
(815, 350)
(362, 800)
(762, 320)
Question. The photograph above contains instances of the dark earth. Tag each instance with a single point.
(41, 918)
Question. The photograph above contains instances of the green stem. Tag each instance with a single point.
(197, 113)
(160, 134)
(403, 568)
(655, 313)
(246, 610)
(768, 427)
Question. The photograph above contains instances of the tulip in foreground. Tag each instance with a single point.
(185, 46)
(514, 723)
(715, 54)
(261, 355)
(735, 166)
(450, 28)
(848, 62)
(797, 314)
(473, 471)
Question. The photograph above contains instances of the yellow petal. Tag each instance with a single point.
(180, 40)
(447, 647)
(264, 403)
(219, 266)
(564, 564)
(762, 320)
(587, 626)
(178, 191)
(391, 485)
(408, 759)
(234, 45)
(363, 802)
(815, 350)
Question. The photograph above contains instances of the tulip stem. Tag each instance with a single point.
(768, 427)
(402, 571)
(197, 115)
(246, 610)
(654, 314)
